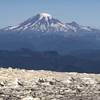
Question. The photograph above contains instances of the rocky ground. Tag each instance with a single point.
(16, 84)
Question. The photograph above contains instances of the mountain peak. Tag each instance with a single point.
(73, 23)
(44, 22)
(45, 15)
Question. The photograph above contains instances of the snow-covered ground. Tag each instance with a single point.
(16, 84)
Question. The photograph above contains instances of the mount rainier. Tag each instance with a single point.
(45, 32)
(45, 22)
(44, 42)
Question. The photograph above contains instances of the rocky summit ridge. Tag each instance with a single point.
(16, 84)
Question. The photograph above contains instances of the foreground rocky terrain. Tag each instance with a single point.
(16, 84)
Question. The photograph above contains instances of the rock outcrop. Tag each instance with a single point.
(16, 84)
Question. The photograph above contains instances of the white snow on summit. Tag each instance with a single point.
(42, 22)
(45, 15)
(45, 22)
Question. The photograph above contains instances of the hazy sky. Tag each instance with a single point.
(85, 12)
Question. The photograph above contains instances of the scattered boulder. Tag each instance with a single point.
(45, 85)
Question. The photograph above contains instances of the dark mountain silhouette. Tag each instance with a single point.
(51, 60)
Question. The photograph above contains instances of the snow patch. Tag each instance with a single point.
(86, 28)
(45, 15)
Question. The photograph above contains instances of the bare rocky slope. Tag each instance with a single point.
(16, 84)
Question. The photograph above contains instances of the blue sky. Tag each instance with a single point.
(85, 12)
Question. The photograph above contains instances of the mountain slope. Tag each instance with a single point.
(45, 22)
(80, 28)
(40, 23)
(16, 84)
(44, 32)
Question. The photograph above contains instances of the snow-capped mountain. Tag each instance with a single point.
(77, 28)
(43, 32)
(40, 23)
(45, 22)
